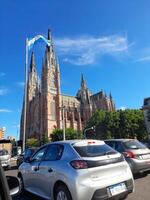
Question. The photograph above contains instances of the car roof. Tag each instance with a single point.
(71, 142)
(119, 140)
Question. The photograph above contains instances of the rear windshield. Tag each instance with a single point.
(134, 144)
(3, 152)
(94, 150)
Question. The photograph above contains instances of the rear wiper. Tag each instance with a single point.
(108, 153)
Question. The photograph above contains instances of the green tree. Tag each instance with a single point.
(44, 139)
(32, 142)
(70, 134)
(119, 124)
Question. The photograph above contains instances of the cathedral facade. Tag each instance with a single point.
(46, 105)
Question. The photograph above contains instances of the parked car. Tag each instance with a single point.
(9, 186)
(25, 155)
(5, 158)
(77, 170)
(136, 154)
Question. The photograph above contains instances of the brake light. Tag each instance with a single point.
(79, 164)
(129, 154)
(92, 142)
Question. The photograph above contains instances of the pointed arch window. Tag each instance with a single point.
(53, 110)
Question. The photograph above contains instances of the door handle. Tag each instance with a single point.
(50, 170)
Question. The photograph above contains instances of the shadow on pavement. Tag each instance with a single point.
(26, 196)
(140, 175)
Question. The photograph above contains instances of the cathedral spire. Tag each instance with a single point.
(110, 96)
(83, 83)
(49, 37)
(57, 65)
(32, 63)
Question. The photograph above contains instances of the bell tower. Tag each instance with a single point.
(50, 91)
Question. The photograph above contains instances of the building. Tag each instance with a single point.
(2, 131)
(11, 138)
(6, 144)
(46, 105)
(146, 110)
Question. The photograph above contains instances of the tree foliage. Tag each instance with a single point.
(32, 142)
(44, 139)
(119, 124)
(70, 134)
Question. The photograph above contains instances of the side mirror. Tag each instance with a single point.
(13, 184)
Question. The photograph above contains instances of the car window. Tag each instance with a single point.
(111, 144)
(94, 150)
(119, 147)
(134, 144)
(54, 152)
(39, 155)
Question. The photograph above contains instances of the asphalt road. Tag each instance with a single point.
(142, 189)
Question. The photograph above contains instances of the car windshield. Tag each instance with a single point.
(94, 150)
(134, 144)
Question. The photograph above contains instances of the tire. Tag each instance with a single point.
(22, 190)
(62, 193)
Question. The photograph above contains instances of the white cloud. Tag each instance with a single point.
(3, 91)
(143, 59)
(2, 74)
(20, 84)
(122, 108)
(3, 110)
(86, 50)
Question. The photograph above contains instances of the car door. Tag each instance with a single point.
(48, 168)
(31, 176)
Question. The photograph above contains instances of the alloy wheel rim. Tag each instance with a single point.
(61, 196)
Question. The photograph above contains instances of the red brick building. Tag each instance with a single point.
(45, 100)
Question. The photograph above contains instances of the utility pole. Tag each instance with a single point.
(25, 98)
(62, 108)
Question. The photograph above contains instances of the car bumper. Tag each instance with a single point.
(139, 166)
(5, 163)
(93, 193)
(104, 193)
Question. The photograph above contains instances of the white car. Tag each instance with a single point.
(77, 170)
(5, 158)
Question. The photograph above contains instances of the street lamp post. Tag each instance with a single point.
(64, 131)
(63, 122)
(87, 129)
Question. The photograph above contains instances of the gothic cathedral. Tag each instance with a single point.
(46, 106)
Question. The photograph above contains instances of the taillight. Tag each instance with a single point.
(129, 154)
(79, 164)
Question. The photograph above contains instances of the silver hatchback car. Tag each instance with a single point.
(77, 170)
(136, 154)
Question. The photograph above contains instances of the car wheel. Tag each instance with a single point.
(21, 184)
(62, 193)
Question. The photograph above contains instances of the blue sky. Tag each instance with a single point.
(106, 40)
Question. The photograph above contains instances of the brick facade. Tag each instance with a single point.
(45, 101)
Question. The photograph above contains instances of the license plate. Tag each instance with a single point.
(146, 156)
(117, 189)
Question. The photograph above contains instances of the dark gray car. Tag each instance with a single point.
(136, 154)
